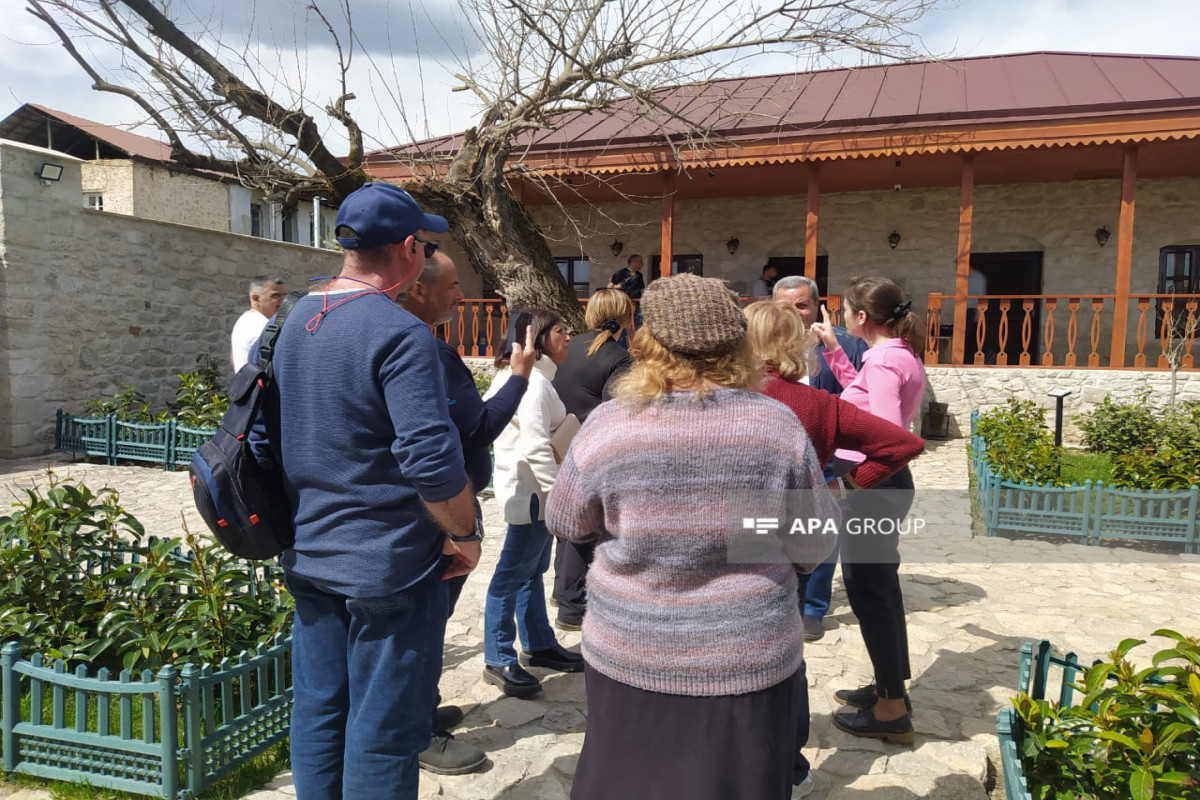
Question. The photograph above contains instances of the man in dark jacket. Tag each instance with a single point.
(802, 293)
(433, 300)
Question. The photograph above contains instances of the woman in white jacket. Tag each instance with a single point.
(525, 473)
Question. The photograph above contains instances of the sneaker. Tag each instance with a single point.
(813, 629)
(862, 722)
(804, 788)
(865, 697)
(448, 756)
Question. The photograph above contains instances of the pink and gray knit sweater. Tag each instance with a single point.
(653, 486)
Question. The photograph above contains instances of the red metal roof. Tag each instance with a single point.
(1005, 88)
(130, 143)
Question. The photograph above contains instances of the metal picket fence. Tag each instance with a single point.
(168, 443)
(1090, 513)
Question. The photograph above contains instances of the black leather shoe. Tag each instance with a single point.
(512, 680)
(865, 697)
(448, 756)
(557, 658)
(862, 722)
(446, 717)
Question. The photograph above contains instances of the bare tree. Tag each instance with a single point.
(536, 64)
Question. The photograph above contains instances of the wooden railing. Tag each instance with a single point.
(1064, 330)
(479, 326)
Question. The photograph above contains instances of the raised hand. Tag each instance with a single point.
(824, 330)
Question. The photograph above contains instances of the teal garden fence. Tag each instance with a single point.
(1090, 513)
(171, 735)
(1042, 674)
(167, 443)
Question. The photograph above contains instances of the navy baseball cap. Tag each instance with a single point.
(381, 213)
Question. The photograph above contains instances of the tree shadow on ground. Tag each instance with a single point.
(921, 593)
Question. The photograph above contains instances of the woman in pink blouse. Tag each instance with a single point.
(889, 385)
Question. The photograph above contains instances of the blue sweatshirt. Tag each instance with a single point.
(478, 423)
(365, 437)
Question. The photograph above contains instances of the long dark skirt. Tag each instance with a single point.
(648, 746)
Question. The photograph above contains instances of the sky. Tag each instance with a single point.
(390, 61)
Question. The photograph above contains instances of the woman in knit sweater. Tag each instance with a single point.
(778, 338)
(890, 384)
(594, 362)
(692, 651)
(525, 471)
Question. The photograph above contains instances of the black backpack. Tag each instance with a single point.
(240, 497)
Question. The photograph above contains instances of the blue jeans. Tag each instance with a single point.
(816, 588)
(364, 676)
(517, 591)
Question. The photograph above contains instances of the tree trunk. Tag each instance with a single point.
(500, 238)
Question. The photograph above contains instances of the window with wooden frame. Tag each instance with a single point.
(576, 271)
(1179, 274)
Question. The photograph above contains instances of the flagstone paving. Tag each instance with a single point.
(971, 603)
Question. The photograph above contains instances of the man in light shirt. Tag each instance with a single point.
(266, 295)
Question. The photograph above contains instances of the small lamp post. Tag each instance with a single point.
(1059, 396)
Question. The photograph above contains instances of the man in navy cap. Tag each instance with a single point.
(383, 507)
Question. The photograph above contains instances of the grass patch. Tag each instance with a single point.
(1080, 465)
(254, 774)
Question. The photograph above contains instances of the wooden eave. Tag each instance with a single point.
(859, 143)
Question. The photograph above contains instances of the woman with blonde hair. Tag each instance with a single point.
(890, 384)
(692, 645)
(594, 361)
(779, 340)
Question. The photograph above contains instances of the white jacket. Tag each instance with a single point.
(525, 464)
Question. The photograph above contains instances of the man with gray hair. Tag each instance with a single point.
(266, 295)
(803, 293)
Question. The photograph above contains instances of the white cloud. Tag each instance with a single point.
(36, 69)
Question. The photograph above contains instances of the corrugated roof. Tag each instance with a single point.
(27, 124)
(1007, 88)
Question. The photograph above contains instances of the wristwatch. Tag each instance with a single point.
(476, 535)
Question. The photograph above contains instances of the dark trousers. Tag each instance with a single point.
(364, 673)
(571, 562)
(871, 571)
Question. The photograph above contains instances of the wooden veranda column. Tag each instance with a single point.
(962, 272)
(668, 224)
(810, 222)
(1124, 257)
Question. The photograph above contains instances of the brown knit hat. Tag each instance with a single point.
(693, 315)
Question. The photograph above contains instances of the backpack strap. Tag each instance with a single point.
(266, 350)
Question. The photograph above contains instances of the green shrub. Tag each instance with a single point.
(1134, 734)
(200, 401)
(1019, 446)
(1172, 461)
(129, 404)
(1119, 428)
(483, 382)
(78, 582)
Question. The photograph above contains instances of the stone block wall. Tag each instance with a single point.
(91, 301)
(182, 197)
(965, 389)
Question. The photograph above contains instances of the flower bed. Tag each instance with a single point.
(1090, 513)
(151, 666)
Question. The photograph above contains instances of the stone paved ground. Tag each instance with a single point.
(967, 620)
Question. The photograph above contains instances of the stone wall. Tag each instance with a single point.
(91, 301)
(965, 389)
(112, 178)
(182, 197)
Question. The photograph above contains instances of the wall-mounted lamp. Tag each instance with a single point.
(1102, 235)
(49, 173)
(732, 245)
(616, 247)
(893, 239)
